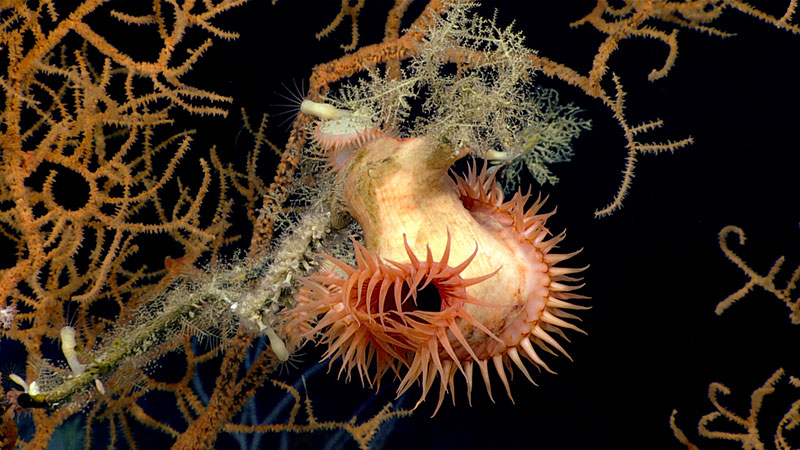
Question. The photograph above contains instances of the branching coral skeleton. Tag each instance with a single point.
(749, 435)
(751, 429)
(767, 282)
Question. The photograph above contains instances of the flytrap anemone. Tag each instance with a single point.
(450, 275)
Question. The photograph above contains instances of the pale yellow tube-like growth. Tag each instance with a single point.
(68, 345)
(277, 345)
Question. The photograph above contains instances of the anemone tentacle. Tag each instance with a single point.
(423, 318)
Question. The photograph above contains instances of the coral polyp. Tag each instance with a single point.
(450, 277)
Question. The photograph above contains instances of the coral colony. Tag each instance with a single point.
(450, 276)
(482, 265)
(395, 233)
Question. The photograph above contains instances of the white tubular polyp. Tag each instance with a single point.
(32, 389)
(498, 156)
(20, 381)
(322, 110)
(68, 345)
(277, 345)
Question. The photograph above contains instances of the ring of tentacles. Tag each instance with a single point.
(450, 275)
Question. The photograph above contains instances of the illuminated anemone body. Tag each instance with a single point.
(450, 276)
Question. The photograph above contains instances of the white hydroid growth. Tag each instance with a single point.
(470, 85)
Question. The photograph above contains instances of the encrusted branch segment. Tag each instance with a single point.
(209, 303)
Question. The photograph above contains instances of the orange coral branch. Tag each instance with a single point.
(767, 282)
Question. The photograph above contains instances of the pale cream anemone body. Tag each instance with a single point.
(450, 276)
